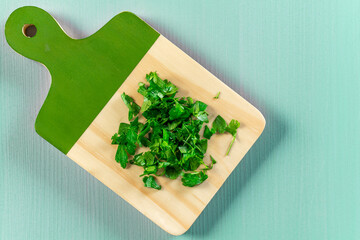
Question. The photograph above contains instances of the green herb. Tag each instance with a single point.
(149, 181)
(133, 107)
(232, 128)
(217, 95)
(193, 179)
(213, 161)
(121, 156)
(172, 172)
(207, 132)
(208, 167)
(170, 132)
(230, 146)
(219, 125)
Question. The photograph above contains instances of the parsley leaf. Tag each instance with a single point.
(219, 124)
(213, 161)
(149, 170)
(121, 156)
(149, 181)
(123, 128)
(232, 127)
(149, 158)
(193, 179)
(198, 107)
(146, 104)
(138, 160)
(202, 116)
(134, 109)
(207, 132)
(177, 111)
(172, 172)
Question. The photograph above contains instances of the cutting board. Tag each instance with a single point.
(83, 108)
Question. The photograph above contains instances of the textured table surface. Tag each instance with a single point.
(296, 61)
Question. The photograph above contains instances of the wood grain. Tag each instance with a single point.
(175, 207)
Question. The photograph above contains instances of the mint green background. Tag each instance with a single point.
(297, 61)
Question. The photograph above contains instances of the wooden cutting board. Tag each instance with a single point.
(83, 108)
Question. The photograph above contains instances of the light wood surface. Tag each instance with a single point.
(175, 207)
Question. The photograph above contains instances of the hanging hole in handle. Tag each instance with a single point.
(29, 30)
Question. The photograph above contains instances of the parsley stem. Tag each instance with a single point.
(231, 143)
(192, 145)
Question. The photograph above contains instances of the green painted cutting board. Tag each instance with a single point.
(83, 108)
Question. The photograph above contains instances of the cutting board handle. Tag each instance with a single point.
(21, 26)
(85, 73)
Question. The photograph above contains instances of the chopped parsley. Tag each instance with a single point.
(170, 134)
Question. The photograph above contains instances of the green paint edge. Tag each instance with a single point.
(81, 85)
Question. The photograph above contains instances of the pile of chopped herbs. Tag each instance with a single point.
(171, 134)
